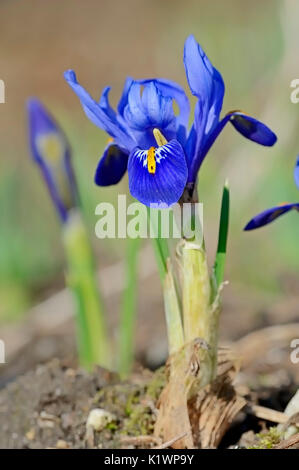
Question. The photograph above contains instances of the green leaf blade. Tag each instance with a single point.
(219, 264)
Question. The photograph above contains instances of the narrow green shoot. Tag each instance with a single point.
(222, 238)
(81, 277)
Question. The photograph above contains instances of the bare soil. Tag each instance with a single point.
(48, 405)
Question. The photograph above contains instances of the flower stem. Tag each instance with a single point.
(172, 312)
(196, 291)
(200, 316)
(93, 344)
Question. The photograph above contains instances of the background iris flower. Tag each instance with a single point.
(51, 151)
(160, 169)
(269, 215)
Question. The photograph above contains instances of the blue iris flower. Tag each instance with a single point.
(269, 215)
(160, 169)
(51, 151)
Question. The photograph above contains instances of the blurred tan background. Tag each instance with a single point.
(255, 47)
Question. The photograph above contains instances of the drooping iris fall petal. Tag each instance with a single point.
(112, 166)
(157, 176)
(269, 215)
(296, 172)
(252, 129)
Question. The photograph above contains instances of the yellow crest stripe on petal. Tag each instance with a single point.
(151, 160)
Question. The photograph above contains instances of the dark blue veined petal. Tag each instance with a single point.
(296, 172)
(51, 152)
(252, 129)
(269, 215)
(158, 176)
(100, 114)
(112, 166)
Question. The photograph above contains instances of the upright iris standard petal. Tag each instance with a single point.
(157, 106)
(105, 105)
(146, 110)
(124, 97)
(252, 129)
(51, 152)
(175, 92)
(149, 108)
(101, 115)
(134, 111)
(112, 166)
(207, 85)
(269, 215)
(199, 70)
(157, 176)
(296, 172)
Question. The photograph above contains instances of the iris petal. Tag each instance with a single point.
(166, 185)
(248, 126)
(174, 91)
(134, 111)
(149, 109)
(100, 116)
(207, 85)
(151, 101)
(105, 105)
(296, 172)
(112, 166)
(204, 80)
(124, 97)
(269, 215)
(199, 69)
(252, 129)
